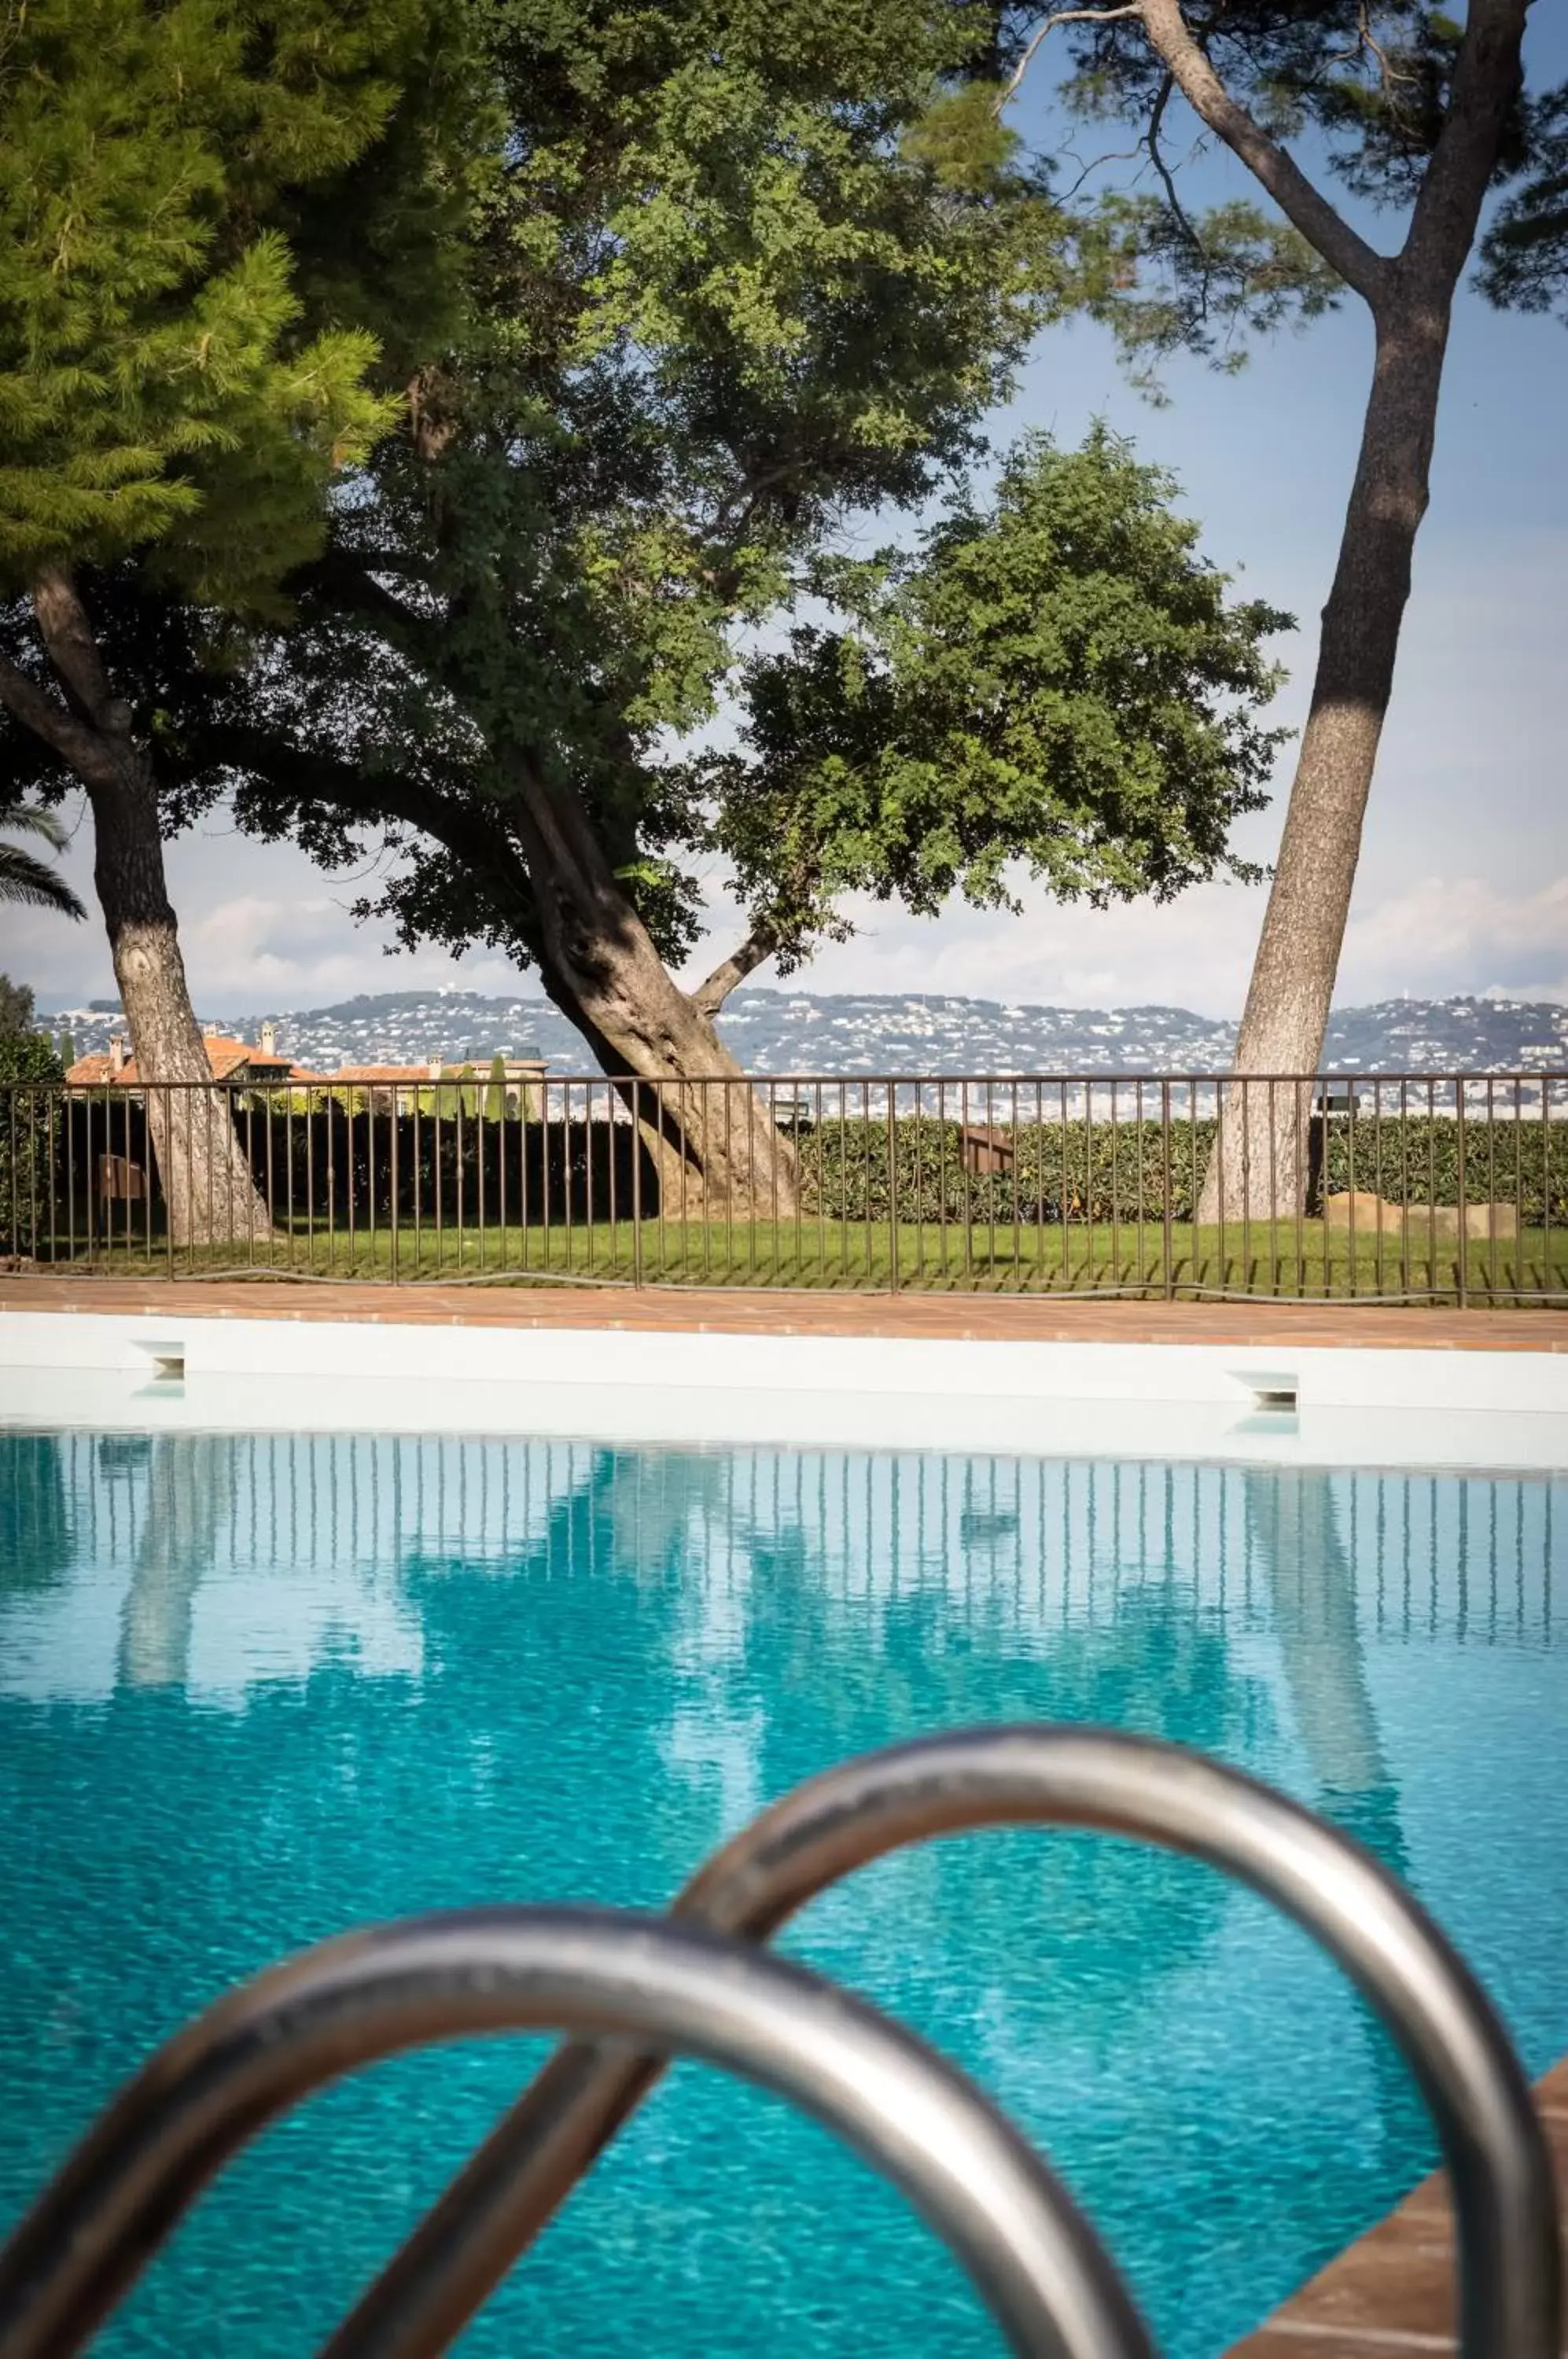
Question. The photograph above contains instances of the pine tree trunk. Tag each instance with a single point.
(712, 1141)
(209, 1194)
(1259, 1167)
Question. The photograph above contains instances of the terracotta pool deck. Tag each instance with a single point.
(1393, 2290)
(776, 1311)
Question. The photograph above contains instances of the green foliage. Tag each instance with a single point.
(28, 1058)
(722, 295)
(747, 274)
(66, 1051)
(1524, 254)
(1128, 1172)
(1167, 286)
(16, 1006)
(1056, 683)
(496, 1092)
(31, 1124)
(23, 877)
(171, 373)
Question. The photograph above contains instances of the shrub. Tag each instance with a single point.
(31, 1121)
(1099, 1171)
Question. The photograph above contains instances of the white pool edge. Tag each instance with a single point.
(169, 1370)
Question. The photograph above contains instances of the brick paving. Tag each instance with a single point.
(776, 1311)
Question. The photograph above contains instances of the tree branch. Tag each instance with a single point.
(714, 989)
(75, 741)
(1448, 203)
(1061, 17)
(349, 583)
(308, 776)
(68, 634)
(1345, 251)
(1156, 158)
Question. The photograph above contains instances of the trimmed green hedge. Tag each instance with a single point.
(1102, 1171)
(29, 1124)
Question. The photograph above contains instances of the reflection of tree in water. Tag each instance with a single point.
(190, 1485)
(38, 1544)
(1293, 1525)
(563, 1650)
(1085, 1928)
(604, 1602)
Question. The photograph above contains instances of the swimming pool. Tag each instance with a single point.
(257, 1687)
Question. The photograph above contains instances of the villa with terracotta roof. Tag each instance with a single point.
(229, 1061)
(386, 1087)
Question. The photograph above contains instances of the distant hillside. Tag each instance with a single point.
(810, 1032)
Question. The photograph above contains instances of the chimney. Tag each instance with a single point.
(209, 1031)
(116, 1052)
(269, 1039)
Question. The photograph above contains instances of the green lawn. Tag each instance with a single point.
(1289, 1259)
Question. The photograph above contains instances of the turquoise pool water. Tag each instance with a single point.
(254, 1690)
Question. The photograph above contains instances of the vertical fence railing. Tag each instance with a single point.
(1343, 1187)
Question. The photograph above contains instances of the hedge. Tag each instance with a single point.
(29, 1126)
(1079, 1170)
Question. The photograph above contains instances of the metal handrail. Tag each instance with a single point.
(1137, 1787)
(1034, 2259)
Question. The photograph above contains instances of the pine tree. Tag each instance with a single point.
(495, 1095)
(186, 367)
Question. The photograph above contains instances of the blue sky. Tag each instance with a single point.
(1464, 880)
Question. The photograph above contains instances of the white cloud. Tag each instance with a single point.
(1510, 945)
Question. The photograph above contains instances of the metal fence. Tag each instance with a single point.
(1409, 1188)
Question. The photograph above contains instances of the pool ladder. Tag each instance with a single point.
(634, 1990)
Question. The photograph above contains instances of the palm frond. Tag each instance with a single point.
(33, 818)
(23, 878)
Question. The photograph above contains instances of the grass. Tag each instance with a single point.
(1286, 1259)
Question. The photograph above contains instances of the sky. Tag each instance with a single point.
(1463, 884)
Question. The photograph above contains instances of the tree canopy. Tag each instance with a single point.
(740, 283)
(167, 380)
(1524, 254)
(1052, 683)
(1366, 91)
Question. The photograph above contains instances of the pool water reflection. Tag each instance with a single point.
(256, 1688)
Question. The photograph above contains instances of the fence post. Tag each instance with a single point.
(636, 1182)
(892, 1187)
(1165, 1188)
(1461, 1240)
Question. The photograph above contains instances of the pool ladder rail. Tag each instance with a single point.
(701, 1982)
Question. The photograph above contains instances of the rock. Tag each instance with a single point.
(1440, 1221)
